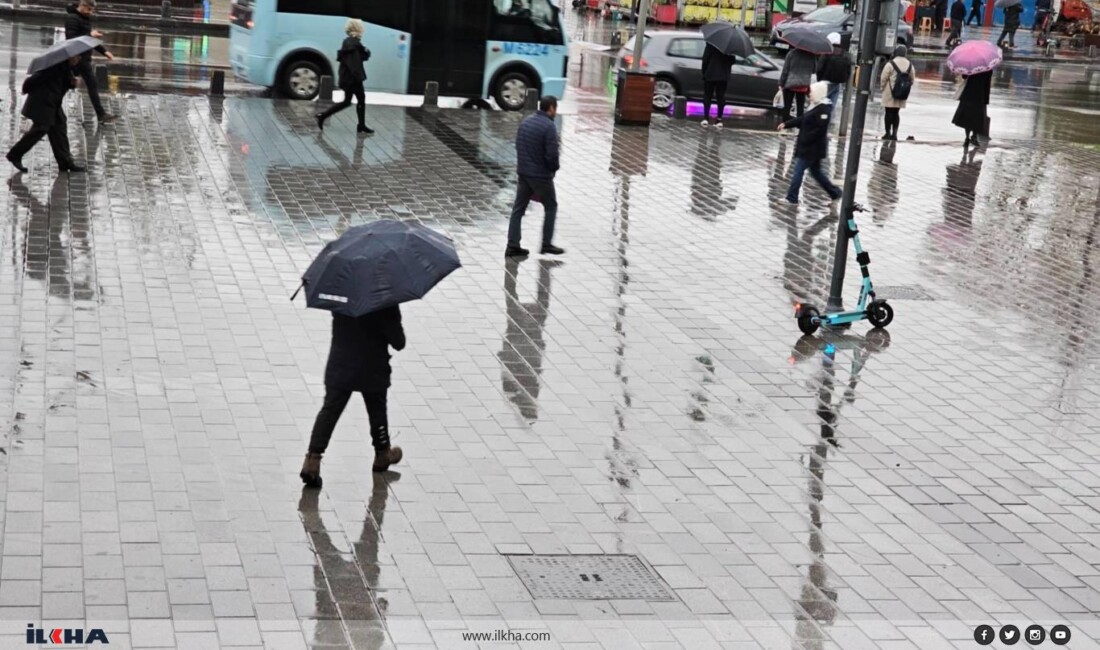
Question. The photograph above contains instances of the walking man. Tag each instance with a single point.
(45, 92)
(835, 69)
(975, 13)
(536, 164)
(79, 23)
(1012, 23)
(958, 16)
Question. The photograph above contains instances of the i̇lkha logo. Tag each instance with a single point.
(65, 636)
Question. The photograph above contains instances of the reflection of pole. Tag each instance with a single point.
(643, 13)
(743, 12)
(868, 37)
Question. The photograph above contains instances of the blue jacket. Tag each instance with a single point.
(537, 147)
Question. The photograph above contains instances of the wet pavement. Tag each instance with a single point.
(648, 394)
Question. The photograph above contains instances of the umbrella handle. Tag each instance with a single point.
(295, 295)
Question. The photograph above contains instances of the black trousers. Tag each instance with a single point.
(975, 15)
(336, 399)
(58, 136)
(799, 101)
(87, 73)
(714, 91)
(1010, 33)
(893, 121)
(360, 106)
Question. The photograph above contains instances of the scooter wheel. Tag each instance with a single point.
(809, 319)
(880, 314)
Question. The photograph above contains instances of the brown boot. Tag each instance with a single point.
(311, 471)
(383, 458)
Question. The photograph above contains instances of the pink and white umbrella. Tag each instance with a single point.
(974, 57)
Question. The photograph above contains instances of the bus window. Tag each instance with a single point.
(384, 13)
(525, 21)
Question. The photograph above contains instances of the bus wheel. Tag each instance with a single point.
(477, 105)
(302, 79)
(511, 90)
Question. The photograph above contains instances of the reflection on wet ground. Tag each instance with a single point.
(636, 398)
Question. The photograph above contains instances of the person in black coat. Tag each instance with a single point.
(716, 77)
(1012, 23)
(45, 92)
(835, 69)
(971, 113)
(352, 56)
(958, 17)
(358, 362)
(975, 13)
(940, 9)
(812, 145)
(78, 22)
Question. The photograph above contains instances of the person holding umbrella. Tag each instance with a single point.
(974, 61)
(725, 42)
(361, 278)
(799, 66)
(50, 78)
(78, 23)
(1013, 9)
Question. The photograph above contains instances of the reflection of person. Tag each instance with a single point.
(1012, 23)
(352, 56)
(835, 68)
(975, 13)
(358, 361)
(45, 92)
(536, 163)
(794, 80)
(882, 191)
(812, 145)
(523, 345)
(706, 182)
(973, 100)
(891, 105)
(716, 77)
(78, 23)
(961, 190)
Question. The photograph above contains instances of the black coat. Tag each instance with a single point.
(359, 357)
(836, 68)
(77, 24)
(958, 12)
(717, 64)
(813, 133)
(352, 56)
(1012, 16)
(970, 114)
(45, 91)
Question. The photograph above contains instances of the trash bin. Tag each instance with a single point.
(634, 97)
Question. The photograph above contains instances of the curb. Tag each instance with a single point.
(173, 26)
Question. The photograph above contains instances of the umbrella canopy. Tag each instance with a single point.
(63, 51)
(378, 265)
(728, 38)
(1005, 4)
(807, 41)
(974, 57)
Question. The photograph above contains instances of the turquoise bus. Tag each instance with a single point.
(473, 48)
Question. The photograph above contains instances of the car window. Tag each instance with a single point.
(830, 14)
(757, 60)
(688, 48)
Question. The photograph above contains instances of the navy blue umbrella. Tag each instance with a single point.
(378, 265)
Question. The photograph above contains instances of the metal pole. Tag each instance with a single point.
(639, 36)
(845, 109)
(868, 37)
(743, 13)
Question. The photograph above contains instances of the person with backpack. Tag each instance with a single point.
(1012, 23)
(835, 69)
(895, 84)
(958, 17)
(812, 145)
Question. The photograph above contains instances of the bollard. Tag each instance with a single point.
(101, 76)
(325, 93)
(166, 9)
(532, 101)
(1050, 48)
(217, 83)
(616, 39)
(680, 107)
(431, 94)
(1092, 51)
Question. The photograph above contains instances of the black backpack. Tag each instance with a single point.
(903, 82)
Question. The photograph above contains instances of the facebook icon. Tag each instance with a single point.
(983, 634)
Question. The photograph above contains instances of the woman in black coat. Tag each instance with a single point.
(358, 362)
(716, 77)
(352, 56)
(970, 115)
(45, 91)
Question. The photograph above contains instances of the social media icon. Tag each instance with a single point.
(1010, 634)
(984, 635)
(1035, 634)
(1059, 635)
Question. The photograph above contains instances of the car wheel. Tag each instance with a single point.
(664, 93)
(302, 80)
(511, 90)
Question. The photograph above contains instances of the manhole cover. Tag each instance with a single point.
(589, 577)
(902, 292)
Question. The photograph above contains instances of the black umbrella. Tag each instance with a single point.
(378, 265)
(62, 51)
(728, 38)
(1005, 4)
(807, 41)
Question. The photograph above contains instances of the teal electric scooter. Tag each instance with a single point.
(875, 310)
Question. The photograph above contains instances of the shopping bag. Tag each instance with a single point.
(777, 101)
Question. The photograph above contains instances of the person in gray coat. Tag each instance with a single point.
(795, 81)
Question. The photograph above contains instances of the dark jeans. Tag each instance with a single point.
(716, 91)
(833, 95)
(893, 121)
(360, 106)
(975, 15)
(956, 32)
(799, 101)
(335, 401)
(86, 72)
(59, 141)
(801, 165)
(1009, 32)
(527, 187)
